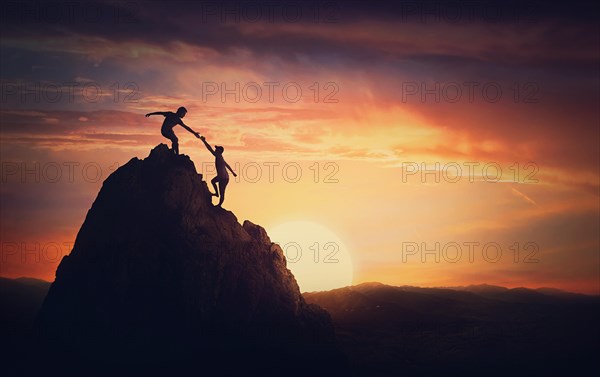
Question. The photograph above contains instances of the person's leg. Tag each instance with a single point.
(214, 183)
(175, 143)
(169, 134)
(222, 185)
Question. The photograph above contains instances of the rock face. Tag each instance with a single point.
(161, 282)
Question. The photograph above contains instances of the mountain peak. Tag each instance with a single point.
(160, 279)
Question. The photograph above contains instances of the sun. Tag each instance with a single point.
(316, 256)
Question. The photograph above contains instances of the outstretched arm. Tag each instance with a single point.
(190, 130)
(155, 113)
(207, 145)
(230, 169)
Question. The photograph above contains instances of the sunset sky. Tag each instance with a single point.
(355, 97)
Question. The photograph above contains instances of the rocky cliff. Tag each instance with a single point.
(162, 282)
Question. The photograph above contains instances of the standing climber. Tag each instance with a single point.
(171, 120)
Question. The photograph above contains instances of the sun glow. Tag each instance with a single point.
(316, 256)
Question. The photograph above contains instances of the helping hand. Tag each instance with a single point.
(147, 115)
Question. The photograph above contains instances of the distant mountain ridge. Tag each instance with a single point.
(464, 331)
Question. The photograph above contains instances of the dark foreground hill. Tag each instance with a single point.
(412, 331)
(464, 331)
(162, 282)
(20, 301)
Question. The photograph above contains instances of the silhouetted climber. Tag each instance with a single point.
(171, 120)
(222, 176)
